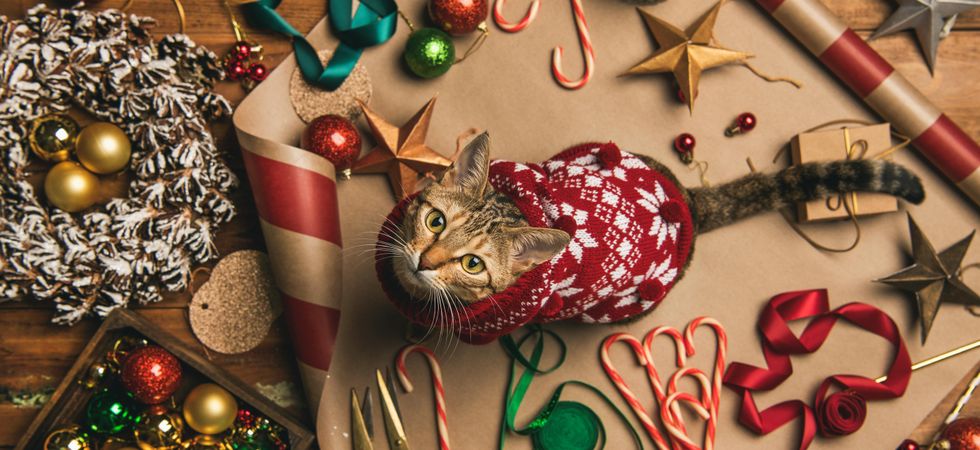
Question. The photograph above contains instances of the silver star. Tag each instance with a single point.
(928, 18)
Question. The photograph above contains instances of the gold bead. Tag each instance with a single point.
(210, 409)
(206, 442)
(159, 428)
(52, 137)
(70, 438)
(103, 148)
(70, 187)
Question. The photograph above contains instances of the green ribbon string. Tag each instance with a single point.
(560, 425)
(372, 24)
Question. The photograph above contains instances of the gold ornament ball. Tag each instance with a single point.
(159, 429)
(210, 409)
(103, 148)
(52, 137)
(67, 439)
(70, 187)
(206, 442)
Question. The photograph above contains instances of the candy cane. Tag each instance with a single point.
(672, 429)
(680, 353)
(721, 339)
(581, 26)
(588, 53)
(439, 391)
(498, 16)
(625, 391)
(674, 422)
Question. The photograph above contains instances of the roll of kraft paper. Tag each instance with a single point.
(862, 69)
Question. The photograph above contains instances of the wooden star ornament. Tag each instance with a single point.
(686, 53)
(934, 278)
(401, 152)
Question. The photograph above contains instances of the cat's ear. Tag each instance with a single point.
(532, 246)
(469, 172)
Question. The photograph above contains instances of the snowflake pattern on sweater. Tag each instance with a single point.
(631, 232)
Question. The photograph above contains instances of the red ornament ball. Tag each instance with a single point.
(257, 72)
(241, 51)
(745, 121)
(151, 374)
(332, 137)
(458, 17)
(908, 444)
(684, 144)
(963, 434)
(235, 69)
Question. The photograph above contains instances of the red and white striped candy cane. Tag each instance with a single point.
(498, 16)
(680, 355)
(701, 409)
(674, 422)
(581, 26)
(625, 391)
(438, 390)
(721, 338)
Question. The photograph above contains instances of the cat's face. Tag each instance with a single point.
(461, 241)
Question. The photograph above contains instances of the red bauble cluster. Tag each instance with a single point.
(333, 137)
(458, 17)
(239, 65)
(151, 374)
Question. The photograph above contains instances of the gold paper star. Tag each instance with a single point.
(401, 153)
(686, 53)
(934, 278)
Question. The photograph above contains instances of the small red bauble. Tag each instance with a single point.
(908, 444)
(242, 50)
(684, 145)
(333, 137)
(151, 374)
(963, 434)
(744, 123)
(235, 69)
(458, 17)
(257, 72)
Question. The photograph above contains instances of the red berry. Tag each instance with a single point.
(242, 50)
(257, 72)
(745, 121)
(235, 70)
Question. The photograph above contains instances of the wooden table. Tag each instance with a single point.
(35, 354)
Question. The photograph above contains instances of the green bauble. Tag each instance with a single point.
(429, 52)
(110, 411)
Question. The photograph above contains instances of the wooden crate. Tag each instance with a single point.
(67, 404)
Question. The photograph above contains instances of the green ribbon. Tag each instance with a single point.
(560, 425)
(372, 24)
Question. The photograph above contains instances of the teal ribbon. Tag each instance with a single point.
(372, 24)
(560, 425)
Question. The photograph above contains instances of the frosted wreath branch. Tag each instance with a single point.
(132, 249)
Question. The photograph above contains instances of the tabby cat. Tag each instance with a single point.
(461, 239)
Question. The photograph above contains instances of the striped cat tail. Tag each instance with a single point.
(721, 205)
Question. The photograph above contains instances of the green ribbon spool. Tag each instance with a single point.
(373, 23)
(560, 425)
(572, 426)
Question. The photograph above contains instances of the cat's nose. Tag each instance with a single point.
(425, 263)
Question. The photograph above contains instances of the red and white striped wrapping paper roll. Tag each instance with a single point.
(873, 79)
(296, 197)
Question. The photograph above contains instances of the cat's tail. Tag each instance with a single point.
(721, 205)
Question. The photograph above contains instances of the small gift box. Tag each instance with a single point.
(837, 144)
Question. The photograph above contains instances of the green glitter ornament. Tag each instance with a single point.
(110, 412)
(571, 426)
(429, 52)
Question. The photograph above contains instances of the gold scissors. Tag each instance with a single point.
(361, 422)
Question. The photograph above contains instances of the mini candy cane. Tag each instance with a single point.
(439, 391)
(581, 26)
(674, 422)
(672, 429)
(681, 360)
(498, 16)
(721, 339)
(625, 391)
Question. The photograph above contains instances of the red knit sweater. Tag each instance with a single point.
(631, 232)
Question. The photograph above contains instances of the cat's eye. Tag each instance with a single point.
(435, 221)
(472, 264)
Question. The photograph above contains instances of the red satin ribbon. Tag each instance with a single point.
(779, 342)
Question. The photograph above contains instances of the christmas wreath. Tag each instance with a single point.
(159, 93)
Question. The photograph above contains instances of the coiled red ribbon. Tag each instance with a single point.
(838, 414)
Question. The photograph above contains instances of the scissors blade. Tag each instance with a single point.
(367, 410)
(393, 423)
(359, 433)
